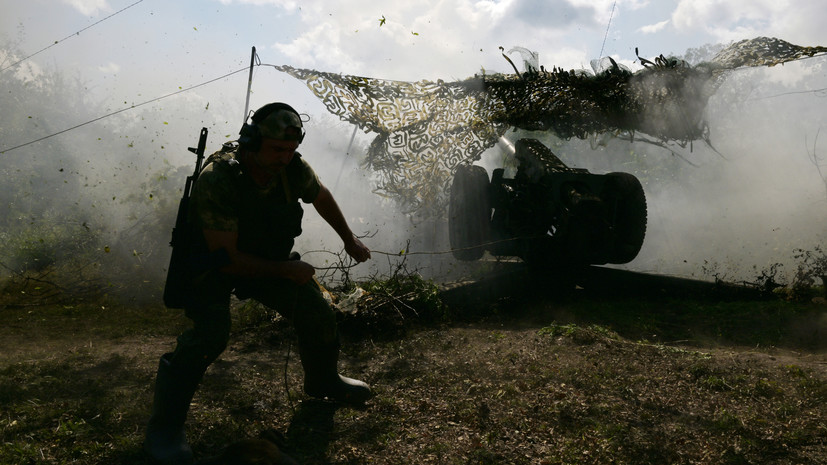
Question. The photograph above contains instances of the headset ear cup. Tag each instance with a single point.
(250, 138)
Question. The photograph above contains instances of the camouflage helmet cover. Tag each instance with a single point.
(283, 123)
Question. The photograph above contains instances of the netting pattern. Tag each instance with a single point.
(425, 129)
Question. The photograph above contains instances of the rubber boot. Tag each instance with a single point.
(323, 381)
(166, 441)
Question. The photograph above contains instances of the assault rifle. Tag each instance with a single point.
(176, 288)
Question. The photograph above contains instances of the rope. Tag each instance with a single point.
(442, 252)
(813, 91)
(405, 253)
(69, 36)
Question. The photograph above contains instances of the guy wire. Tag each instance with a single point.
(121, 111)
(69, 36)
(607, 29)
(257, 63)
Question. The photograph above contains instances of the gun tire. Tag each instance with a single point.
(469, 213)
(625, 192)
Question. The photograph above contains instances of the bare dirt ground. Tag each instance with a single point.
(529, 379)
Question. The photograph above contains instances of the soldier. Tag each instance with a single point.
(245, 204)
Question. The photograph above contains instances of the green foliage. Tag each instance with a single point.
(75, 202)
(812, 264)
(580, 335)
(389, 307)
(50, 259)
(252, 314)
(45, 242)
(409, 290)
(414, 285)
(151, 208)
(726, 421)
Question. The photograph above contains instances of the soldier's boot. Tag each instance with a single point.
(166, 441)
(323, 381)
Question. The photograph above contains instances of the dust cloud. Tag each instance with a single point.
(747, 202)
(106, 194)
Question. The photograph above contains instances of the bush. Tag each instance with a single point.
(812, 264)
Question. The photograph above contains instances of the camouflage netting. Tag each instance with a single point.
(425, 129)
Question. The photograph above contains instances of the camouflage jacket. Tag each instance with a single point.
(267, 219)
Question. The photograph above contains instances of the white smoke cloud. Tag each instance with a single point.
(759, 200)
(757, 197)
(652, 28)
(89, 7)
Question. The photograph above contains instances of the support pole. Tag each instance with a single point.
(249, 86)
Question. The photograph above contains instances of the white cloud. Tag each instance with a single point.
(89, 7)
(317, 45)
(634, 5)
(353, 41)
(433, 39)
(799, 21)
(652, 28)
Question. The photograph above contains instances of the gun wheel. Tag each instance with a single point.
(469, 213)
(625, 193)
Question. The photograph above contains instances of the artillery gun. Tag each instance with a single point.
(429, 132)
(548, 214)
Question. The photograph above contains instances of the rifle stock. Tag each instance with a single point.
(177, 285)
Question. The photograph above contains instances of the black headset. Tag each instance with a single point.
(250, 135)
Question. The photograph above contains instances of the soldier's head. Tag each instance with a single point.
(274, 134)
(278, 121)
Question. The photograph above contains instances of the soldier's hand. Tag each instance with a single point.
(301, 272)
(357, 250)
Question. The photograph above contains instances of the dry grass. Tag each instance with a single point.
(518, 381)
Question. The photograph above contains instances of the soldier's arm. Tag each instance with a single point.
(248, 265)
(327, 207)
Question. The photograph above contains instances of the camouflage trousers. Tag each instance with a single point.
(303, 305)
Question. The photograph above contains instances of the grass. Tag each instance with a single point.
(521, 381)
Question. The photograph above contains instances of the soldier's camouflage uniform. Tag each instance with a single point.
(267, 221)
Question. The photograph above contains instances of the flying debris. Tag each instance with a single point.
(426, 129)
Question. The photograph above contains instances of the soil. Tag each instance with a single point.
(533, 380)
